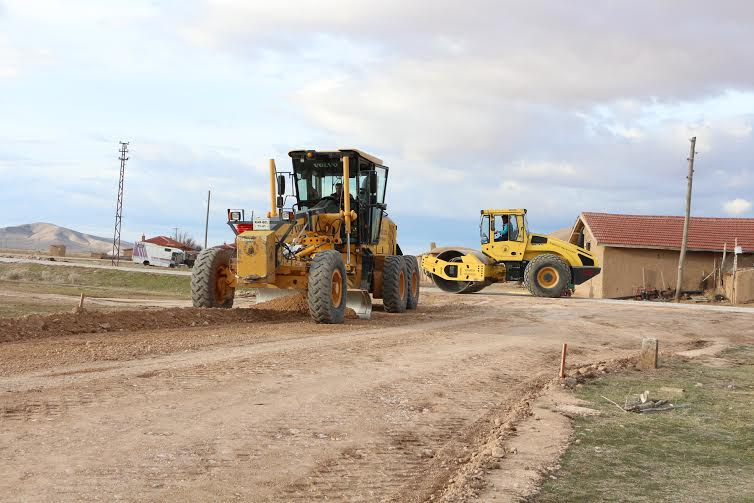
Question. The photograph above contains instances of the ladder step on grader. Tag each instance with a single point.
(334, 242)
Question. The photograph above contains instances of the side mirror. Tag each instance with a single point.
(373, 181)
(281, 185)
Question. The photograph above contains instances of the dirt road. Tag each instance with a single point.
(270, 407)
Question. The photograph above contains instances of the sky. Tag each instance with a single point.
(557, 107)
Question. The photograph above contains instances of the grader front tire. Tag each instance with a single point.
(547, 275)
(327, 288)
(210, 279)
(395, 284)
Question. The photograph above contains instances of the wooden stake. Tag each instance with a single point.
(563, 361)
(81, 301)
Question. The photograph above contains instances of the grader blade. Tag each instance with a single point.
(361, 302)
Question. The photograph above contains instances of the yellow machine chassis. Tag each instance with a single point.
(489, 265)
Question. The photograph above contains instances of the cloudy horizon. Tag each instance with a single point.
(558, 108)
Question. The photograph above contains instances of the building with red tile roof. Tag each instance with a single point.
(666, 232)
(168, 243)
(641, 251)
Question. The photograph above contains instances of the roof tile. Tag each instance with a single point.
(168, 242)
(654, 231)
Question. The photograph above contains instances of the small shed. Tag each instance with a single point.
(642, 251)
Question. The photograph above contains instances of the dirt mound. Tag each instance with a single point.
(292, 303)
(61, 324)
(298, 304)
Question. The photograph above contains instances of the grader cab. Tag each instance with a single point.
(335, 242)
(548, 267)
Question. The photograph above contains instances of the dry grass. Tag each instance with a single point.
(92, 282)
(704, 452)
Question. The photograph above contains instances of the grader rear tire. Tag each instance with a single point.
(414, 280)
(209, 279)
(547, 275)
(327, 288)
(395, 284)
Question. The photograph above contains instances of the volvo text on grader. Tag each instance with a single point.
(335, 242)
(548, 267)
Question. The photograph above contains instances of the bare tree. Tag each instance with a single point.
(187, 240)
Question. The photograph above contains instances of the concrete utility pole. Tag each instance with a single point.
(685, 241)
(206, 220)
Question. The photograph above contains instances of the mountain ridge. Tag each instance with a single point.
(41, 235)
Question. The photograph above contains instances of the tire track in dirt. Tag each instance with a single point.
(384, 411)
(397, 434)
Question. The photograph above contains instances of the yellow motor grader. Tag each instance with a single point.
(334, 243)
(548, 267)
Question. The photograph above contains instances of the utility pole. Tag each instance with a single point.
(175, 236)
(685, 241)
(119, 204)
(206, 220)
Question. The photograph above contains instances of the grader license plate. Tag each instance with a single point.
(261, 224)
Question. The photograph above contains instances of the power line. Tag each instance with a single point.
(119, 204)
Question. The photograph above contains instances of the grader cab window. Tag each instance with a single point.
(376, 198)
(319, 178)
(319, 182)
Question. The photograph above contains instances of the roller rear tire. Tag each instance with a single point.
(547, 275)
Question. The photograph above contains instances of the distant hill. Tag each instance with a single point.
(562, 234)
(40, 236)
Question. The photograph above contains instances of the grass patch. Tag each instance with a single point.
(93, 282)
(701, 453)
(14, 309)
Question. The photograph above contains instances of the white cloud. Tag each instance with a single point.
(471, 106)
(15, 60)
(737, 206)
(738, 129)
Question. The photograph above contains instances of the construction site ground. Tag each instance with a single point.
(450, 402)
